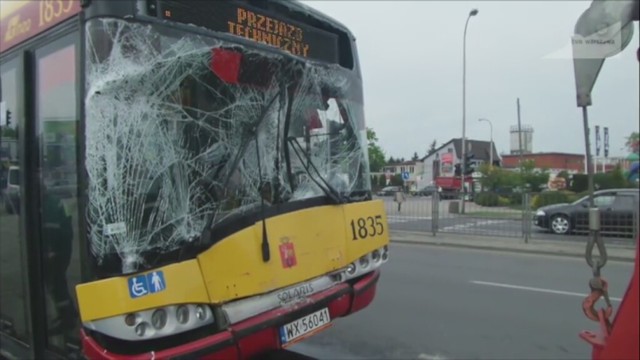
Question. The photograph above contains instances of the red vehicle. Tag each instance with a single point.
(449, 186)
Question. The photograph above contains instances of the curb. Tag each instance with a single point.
(509, 250)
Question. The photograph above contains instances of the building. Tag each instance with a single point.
(603, 165)
(521, 137)
(413, 168)
(553, 161)
(443, 160)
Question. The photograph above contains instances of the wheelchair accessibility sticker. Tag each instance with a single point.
(150, 283)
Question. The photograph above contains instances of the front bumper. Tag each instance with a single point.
(259, 334)
(541, 221)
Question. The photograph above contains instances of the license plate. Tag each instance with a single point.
(305, 326)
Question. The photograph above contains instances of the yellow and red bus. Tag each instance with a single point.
(193, 179)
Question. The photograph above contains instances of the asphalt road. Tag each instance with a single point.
(416, 214)
(443, 303)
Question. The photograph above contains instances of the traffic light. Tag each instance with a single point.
(457, 170)
(469, 167)
(8, 118)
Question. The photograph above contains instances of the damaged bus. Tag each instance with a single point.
(194, 179)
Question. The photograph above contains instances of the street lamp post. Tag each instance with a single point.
(473, 12)
(491, 142)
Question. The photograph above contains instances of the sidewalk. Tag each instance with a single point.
(535, 246)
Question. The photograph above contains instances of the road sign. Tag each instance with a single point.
(405, 175)
(142, 285)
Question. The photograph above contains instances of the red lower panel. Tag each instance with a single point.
(92, 350)
(364, 291)
(259, 334)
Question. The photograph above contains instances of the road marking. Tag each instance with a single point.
(392, 219)
(473, 224)
(549, 291)
(430, 357)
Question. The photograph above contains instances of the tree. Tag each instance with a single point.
(396, 180)
(532, 177)
(633, 142)
(376, 154)
(391, 160)
(382, 181)
(9, 132)
(415, 157)
(432, 148)
(494, 178)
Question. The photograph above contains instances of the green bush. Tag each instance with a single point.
(486, 199)
(552, 197)
(503, 201)
(579, 183)
(513, 198)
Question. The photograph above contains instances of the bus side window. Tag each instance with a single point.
(57, 127)
(14, 311)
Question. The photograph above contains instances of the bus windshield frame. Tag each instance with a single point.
(190, 137)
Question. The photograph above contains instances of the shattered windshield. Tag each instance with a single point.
(185, 132)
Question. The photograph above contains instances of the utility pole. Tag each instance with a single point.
(473, 12)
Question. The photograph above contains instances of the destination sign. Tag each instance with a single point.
(21, 20)
(256, 25)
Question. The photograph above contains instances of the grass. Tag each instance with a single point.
(516, 207)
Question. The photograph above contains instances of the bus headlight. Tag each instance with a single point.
(141, 329)
(351, 269)
(366, 263)
(375, 256)
(130, 320)
(154, 323)
(201, 313)
(159, 319)
(182, 314)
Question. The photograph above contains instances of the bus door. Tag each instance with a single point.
(40, 238)
(57, 132)
(15, 321)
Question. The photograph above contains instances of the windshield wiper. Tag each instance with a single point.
(240, 154)
(329, 190)
(206, 234)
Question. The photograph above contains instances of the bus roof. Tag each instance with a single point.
(23, 19)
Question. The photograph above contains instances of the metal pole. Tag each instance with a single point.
(519, 132)
(473, 12)
(526, 217)
(491, 145)
(435, 212)
(585, 120)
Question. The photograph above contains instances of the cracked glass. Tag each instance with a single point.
(185, 132)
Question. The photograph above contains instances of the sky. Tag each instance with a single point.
(411, 59)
